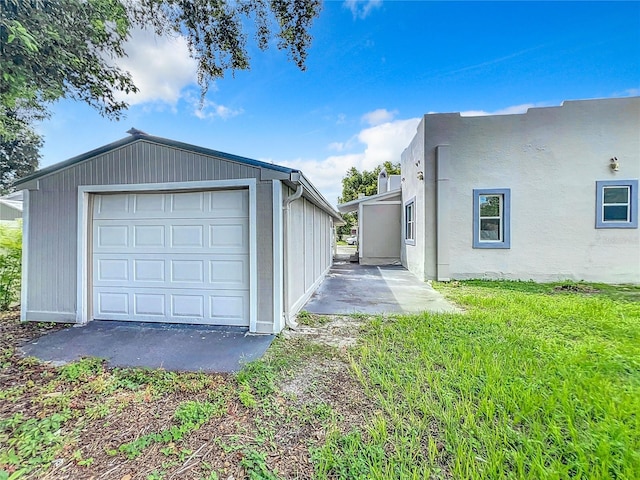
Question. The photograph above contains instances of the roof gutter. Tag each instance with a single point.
(310, 192)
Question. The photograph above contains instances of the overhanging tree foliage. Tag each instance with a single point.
(19, 156)
(217, 30)
(366, 182)
(52, 49)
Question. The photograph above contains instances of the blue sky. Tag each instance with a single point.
(373, 69)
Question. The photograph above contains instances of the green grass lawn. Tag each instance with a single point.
(533, 381)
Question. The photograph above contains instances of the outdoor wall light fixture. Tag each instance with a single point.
(420, 176)
(615, 165)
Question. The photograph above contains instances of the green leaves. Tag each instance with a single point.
(366, 182)
(31, 442)
(52, 49)
(17, 31)
(10, 265)
(216, 30)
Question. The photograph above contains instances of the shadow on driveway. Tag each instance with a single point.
(169, 346)
(353, 288)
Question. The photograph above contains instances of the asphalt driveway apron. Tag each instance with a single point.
(354, 288)
(153, 345)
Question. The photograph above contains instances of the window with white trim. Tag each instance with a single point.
(410, 222)
(617, 204)
(491, 218)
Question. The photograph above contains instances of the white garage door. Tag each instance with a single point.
(172, 257)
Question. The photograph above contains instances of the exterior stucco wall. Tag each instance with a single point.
(53, 210)
(379, 228)
(414, 256)
(308, 250)
(550, 159)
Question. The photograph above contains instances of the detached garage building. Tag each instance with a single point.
(153, 230)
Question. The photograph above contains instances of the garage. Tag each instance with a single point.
(148, 229)
(179, 257)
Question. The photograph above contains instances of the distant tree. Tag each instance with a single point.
(366, 182)
(356, 182)
(52, 49)
(19, 156)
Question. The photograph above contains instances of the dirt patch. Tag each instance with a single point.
(576, 288)
(335, 331)
(276, 434)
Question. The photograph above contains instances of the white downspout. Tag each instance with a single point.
(285, 229)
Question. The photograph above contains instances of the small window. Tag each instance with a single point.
(616, 204)
(491, 218)
(410, 222)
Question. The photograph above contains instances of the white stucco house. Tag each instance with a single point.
(550, 194)
(379, 220)
(153, 230)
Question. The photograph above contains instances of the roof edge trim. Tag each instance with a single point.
(157, 140)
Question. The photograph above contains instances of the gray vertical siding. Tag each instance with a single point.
(309, 250)
(52, 255)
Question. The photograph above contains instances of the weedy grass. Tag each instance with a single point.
(533, 381)
(189, 416)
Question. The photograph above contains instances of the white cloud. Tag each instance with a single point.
(378, 144)
(362, 8)
(209, 109)
(629, 92)
(514, 109)
(379, 116)
(160, 67)
(337, 146)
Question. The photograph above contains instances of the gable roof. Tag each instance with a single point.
(137, 136)
(291, 176)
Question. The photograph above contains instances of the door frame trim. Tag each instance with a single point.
(85, 222)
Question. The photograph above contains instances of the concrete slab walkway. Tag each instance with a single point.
(169, 346)
(353, 288)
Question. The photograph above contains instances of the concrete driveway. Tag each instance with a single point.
(354, 288)
(153, 345)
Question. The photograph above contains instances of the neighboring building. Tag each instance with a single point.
(154, 230)
(379, 221)
(551, 194)
(11, 207)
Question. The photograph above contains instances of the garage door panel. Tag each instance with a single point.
(192, 202)
(188, 305)
(219, 307)
(187, 271)
(112, 270)
(147, 204)
(148, 270)
(222, 272)
(111, 206)
(187, 236)
(229, 309)
(113, 235)
(229, 273)
(112, 303)
(145, 304)
(148, 236)
(218, 204)
(172, 257)
(229, 236)
(229, 203)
